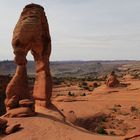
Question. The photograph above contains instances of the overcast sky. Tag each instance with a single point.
(81, 29)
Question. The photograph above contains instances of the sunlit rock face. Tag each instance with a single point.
(112, 80)
(31, 33)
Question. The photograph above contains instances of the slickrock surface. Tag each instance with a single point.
(49, 124)
(7, 129)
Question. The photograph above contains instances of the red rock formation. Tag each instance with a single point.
(20, 112)
(6, 129)
(3, 125)
(12, 103)
(31, 33)
(112, 80)
(12, 128)
(134, 136)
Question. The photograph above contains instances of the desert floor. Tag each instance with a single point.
(122, 104)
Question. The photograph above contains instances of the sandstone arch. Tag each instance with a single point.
(31, 33)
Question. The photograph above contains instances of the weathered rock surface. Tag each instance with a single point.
(3, 125)
(6, 129)
(3, 122)
(20, 112)
(12, 103)
(19, 108)
(18, 86)
(12, 128)
(31, 33)
(26, 103)
(112, 80)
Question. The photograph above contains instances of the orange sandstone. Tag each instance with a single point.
(112, 80)
(31, 33)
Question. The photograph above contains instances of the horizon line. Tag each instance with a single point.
(82, 60)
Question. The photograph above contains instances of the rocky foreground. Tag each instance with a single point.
(50, 125)
(104, 114)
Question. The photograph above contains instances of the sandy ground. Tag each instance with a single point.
(50, 125)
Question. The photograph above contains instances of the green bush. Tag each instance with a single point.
(70, 94)
(101, 130)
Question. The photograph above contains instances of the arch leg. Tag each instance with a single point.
(18, 86)
(43, 84)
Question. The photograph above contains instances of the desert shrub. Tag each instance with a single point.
(84, 84)
(57, 81)
(101, 130)
(93, 123)
(84, 94)
(70, 94)
(80, 85)
(90, 79)
(133, 109)
(90, 88)
(95, 85)
(86, 87)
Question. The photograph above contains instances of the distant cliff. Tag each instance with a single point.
(69, 68)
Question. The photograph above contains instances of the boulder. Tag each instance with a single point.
(112, 80)
(26, 103)
(3, 125)
(12, 103)
(20, 112)
(8, 129)
(12, 128)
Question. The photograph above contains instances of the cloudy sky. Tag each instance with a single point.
(81, 29)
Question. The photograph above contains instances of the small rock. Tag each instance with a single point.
(26, 103)
(71, 116)
(3, 125)
(20, 112)
(3, 122)
(12, 128)
(12, 103)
